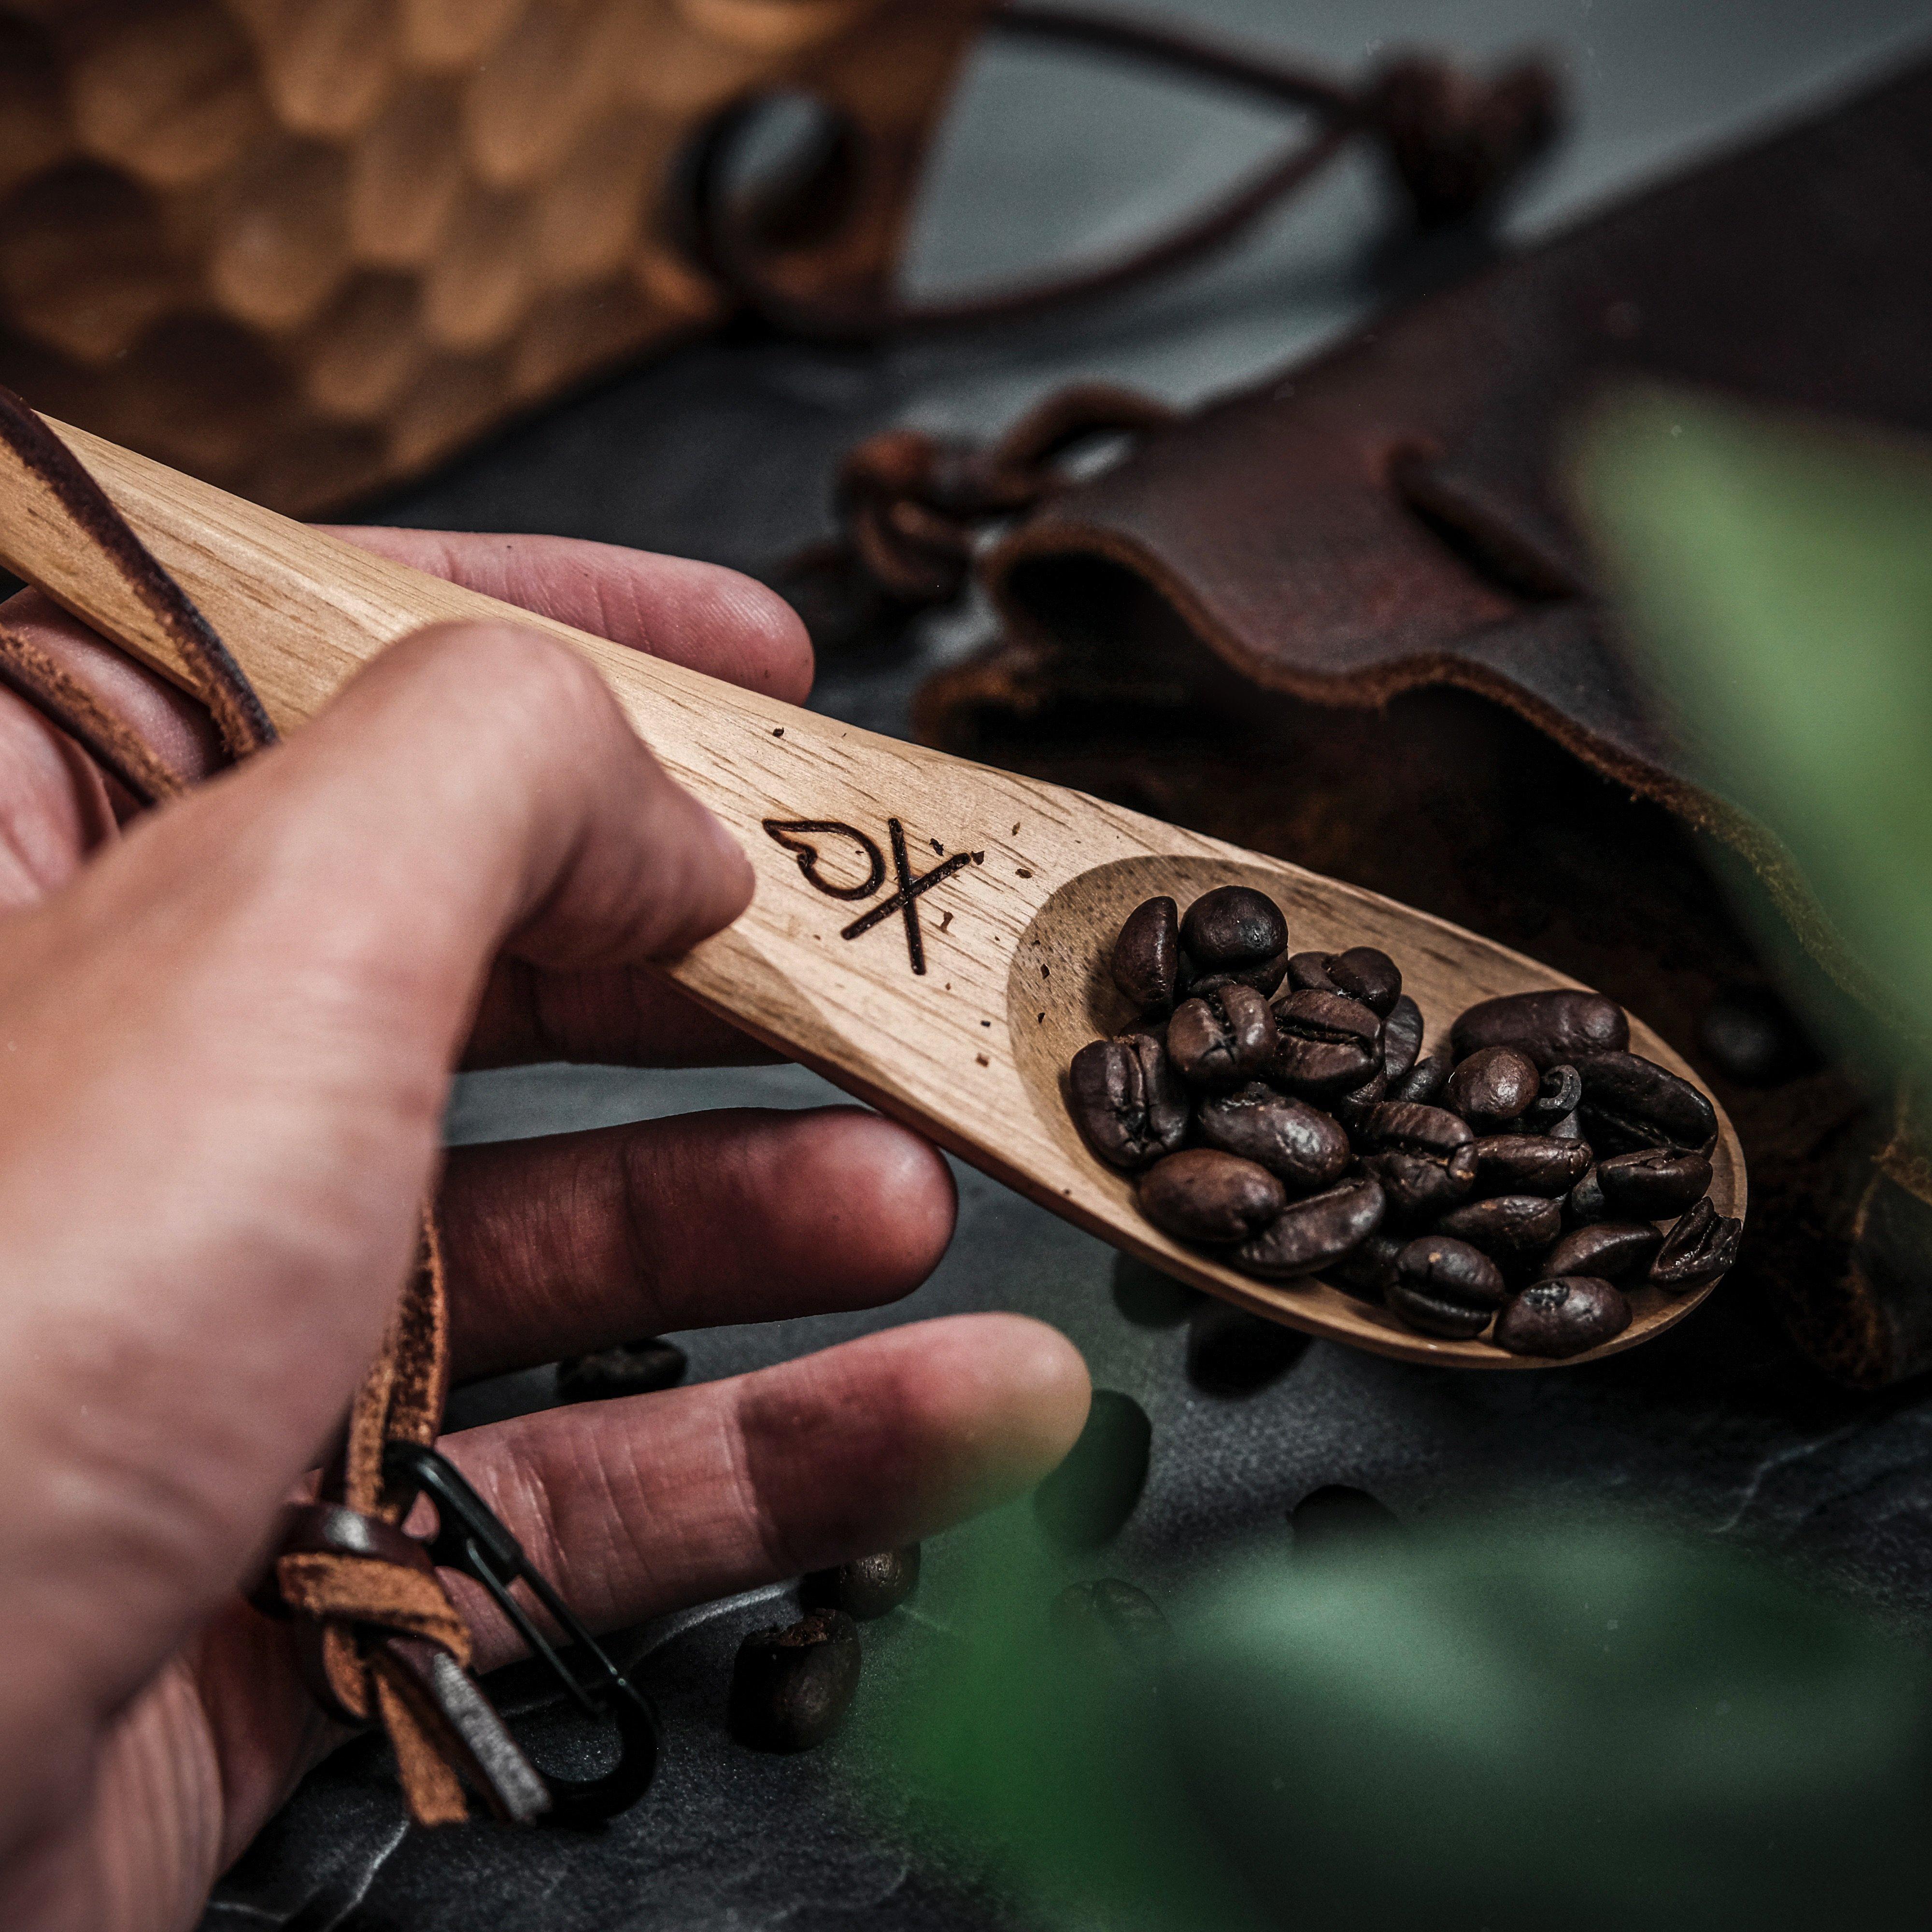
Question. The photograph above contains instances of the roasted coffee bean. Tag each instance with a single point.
(1608, 1249)
(1127, 1100)
(1200, 1194)
(1366, 1271)
(1362, 973)
(868, 1586)
(1264, 979)
(1148, 1298)
(1308, 972)
(1402, 1038)
(1366, 973)
(1301, 1143)
(1425, 1160)
(1702, 1246)
(1528, 1164)
(1654, 1183)
(1446, 1287)
(1110, 1622)
(792, 1685)
(1433, 1131)
(1327, 1045)
(1585, 1203)
(1492, 1087)
(1422, 1085)
(1233, 926)
(1338, 1517)
(1306, 1235)
(634, 1368)
(1552, 1027)
(1630, 1103)
(1506, 1227)
(1753, 1037)
(1231, 1352)
(1420, 1186)
(1084, 1501)
(1220, 1041)
(1557, 1095)
(1354, 1107)
(1563, 1317)
(1146, 955)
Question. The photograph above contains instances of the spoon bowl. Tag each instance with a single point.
(931, 934)
(1444, 971)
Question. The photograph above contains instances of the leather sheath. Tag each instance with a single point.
(1345, 615)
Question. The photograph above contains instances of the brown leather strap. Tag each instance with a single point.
(373, 1607)
(113, 744)
(1453, 142)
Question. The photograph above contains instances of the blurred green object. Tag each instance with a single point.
(1775, 574)
(1585, 1729)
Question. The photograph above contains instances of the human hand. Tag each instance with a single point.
(225, 1040)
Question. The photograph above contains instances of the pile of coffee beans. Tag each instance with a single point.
(1280, 1109)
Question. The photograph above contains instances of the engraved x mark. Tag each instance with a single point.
(905, 901)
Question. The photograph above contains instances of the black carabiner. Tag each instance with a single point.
(470, 1537)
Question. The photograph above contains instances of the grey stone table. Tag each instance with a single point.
(723, 452)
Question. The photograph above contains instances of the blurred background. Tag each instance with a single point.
(720, 439)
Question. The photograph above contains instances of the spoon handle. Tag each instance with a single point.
(893, 881)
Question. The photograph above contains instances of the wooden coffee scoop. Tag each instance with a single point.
(929, 934)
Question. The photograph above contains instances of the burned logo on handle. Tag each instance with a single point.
(799, 836)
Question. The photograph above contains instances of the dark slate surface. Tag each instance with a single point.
(723, 452)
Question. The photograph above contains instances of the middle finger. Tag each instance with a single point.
(574, 1242)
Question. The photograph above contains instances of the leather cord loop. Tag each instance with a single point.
(1453, 142)
(913, 508)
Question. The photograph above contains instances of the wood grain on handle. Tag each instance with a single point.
(936, 945)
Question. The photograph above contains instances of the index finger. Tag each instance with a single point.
(700, 615)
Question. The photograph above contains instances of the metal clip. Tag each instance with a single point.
(470, 1537)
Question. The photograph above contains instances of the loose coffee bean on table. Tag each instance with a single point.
(1753, 1038)
(868, 1586)
(792, 1685)
(1522, 1166)
(1110, 1621)
(632, 1368)
(1231, 1352)
(1150, 1299)
(1083, 1503)
(1339, 1517)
